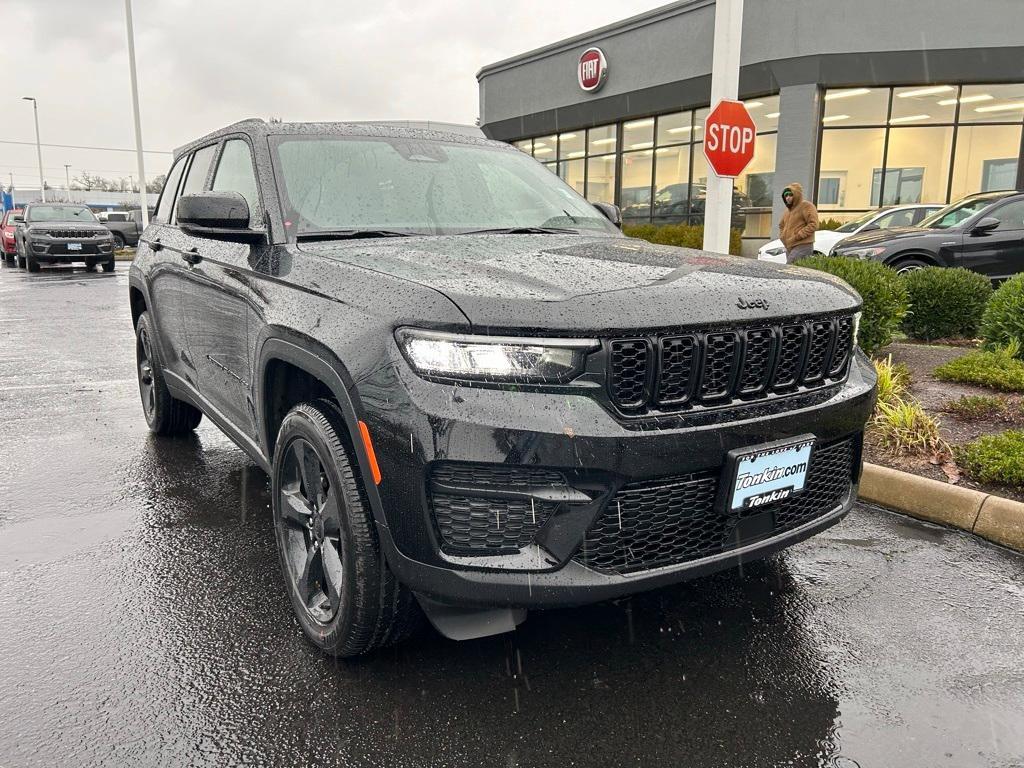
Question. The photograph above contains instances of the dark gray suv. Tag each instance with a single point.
(61, 233)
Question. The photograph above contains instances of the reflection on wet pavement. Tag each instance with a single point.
(143, 620)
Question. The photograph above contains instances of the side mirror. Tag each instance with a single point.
(219, 215)
(17, 219)
(984, 225)
(611, 212)
(870, 227)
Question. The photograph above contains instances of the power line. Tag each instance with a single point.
(59, 168)
(78, 146)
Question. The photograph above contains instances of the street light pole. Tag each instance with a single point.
(39, 146)
(725, 84)
(67, 178)
(135, 109)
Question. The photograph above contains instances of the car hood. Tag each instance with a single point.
(82, 226)
(884, 236)
(573, 282)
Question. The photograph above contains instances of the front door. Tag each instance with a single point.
(998, 253)
(219, 272)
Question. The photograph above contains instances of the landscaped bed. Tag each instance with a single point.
(963, 412)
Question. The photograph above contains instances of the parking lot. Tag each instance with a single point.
(143, 619)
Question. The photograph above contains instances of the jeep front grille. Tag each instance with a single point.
(674, 372)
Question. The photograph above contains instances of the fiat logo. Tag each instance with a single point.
(592, 70)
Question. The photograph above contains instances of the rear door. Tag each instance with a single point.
(219, 283)
(166, 285)
(998, 253)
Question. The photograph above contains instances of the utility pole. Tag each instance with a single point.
(725, 84)
(39, 147)
(135, 109)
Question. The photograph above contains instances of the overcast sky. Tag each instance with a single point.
(206, 63)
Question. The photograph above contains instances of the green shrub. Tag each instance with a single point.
(905, 429)
(945, 302)
(995, 458)
(999, 369)
(893, 380)
(1003, 321)
(830, 224)
(883, 292)
(680, 235)
(971, 407)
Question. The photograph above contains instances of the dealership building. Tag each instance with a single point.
(866, 104)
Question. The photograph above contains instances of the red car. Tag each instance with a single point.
(7, 234)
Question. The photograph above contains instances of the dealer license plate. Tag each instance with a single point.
(769, 473)
(74, 246)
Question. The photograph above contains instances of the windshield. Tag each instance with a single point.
(853, 226)
(408, 185)
(60, 213)
(953, 214)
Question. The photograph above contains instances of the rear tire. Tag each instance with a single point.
(118, 241)
(21, 262)
(165, 415)
(345, 597)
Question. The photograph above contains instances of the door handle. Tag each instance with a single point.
(191, 256)
(155, 244)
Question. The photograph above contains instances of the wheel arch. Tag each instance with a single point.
(927, 258)
(293, 368)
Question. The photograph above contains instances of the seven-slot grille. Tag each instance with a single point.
(74, 234)
(712, 368)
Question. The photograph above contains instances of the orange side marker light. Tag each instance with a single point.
(368, 445)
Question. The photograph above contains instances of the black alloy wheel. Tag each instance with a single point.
(311, 535)
(147, 384)
(165, 414)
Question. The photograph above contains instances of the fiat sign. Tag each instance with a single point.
(729, 138)
(592, 69)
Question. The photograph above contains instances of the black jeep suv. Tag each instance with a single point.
(472, 393)
(61, 233)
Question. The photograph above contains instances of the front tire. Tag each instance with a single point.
(33, 264)
(118, 241)
(108, 266)
(165, 415)
(344, 595)
(906, 266)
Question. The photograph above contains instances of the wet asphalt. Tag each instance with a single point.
(143, 619)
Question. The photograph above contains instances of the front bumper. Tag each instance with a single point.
(49, 249)
(418, 426)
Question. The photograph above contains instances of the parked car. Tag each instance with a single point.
(826, 239)
(125, 226)
(7, 226)
(53, 233)
(472, 394)
(679, 204)
(983, 232)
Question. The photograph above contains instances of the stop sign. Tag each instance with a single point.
(729, 138)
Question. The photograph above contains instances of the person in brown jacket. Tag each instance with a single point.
(799, 223)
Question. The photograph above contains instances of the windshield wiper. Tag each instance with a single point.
(350, 234)
(522, 231)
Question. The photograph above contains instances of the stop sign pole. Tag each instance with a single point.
(725, 84)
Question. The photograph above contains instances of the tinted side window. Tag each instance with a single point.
(1011, 216)
(198, 170)
(235, 173)
(163, 208)
(895, 219)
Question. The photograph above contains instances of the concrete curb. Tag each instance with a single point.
(992, 517)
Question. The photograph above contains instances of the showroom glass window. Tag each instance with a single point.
(917, 144)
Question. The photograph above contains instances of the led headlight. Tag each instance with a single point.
(862, 253)
(493, 358)
(856, 328)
